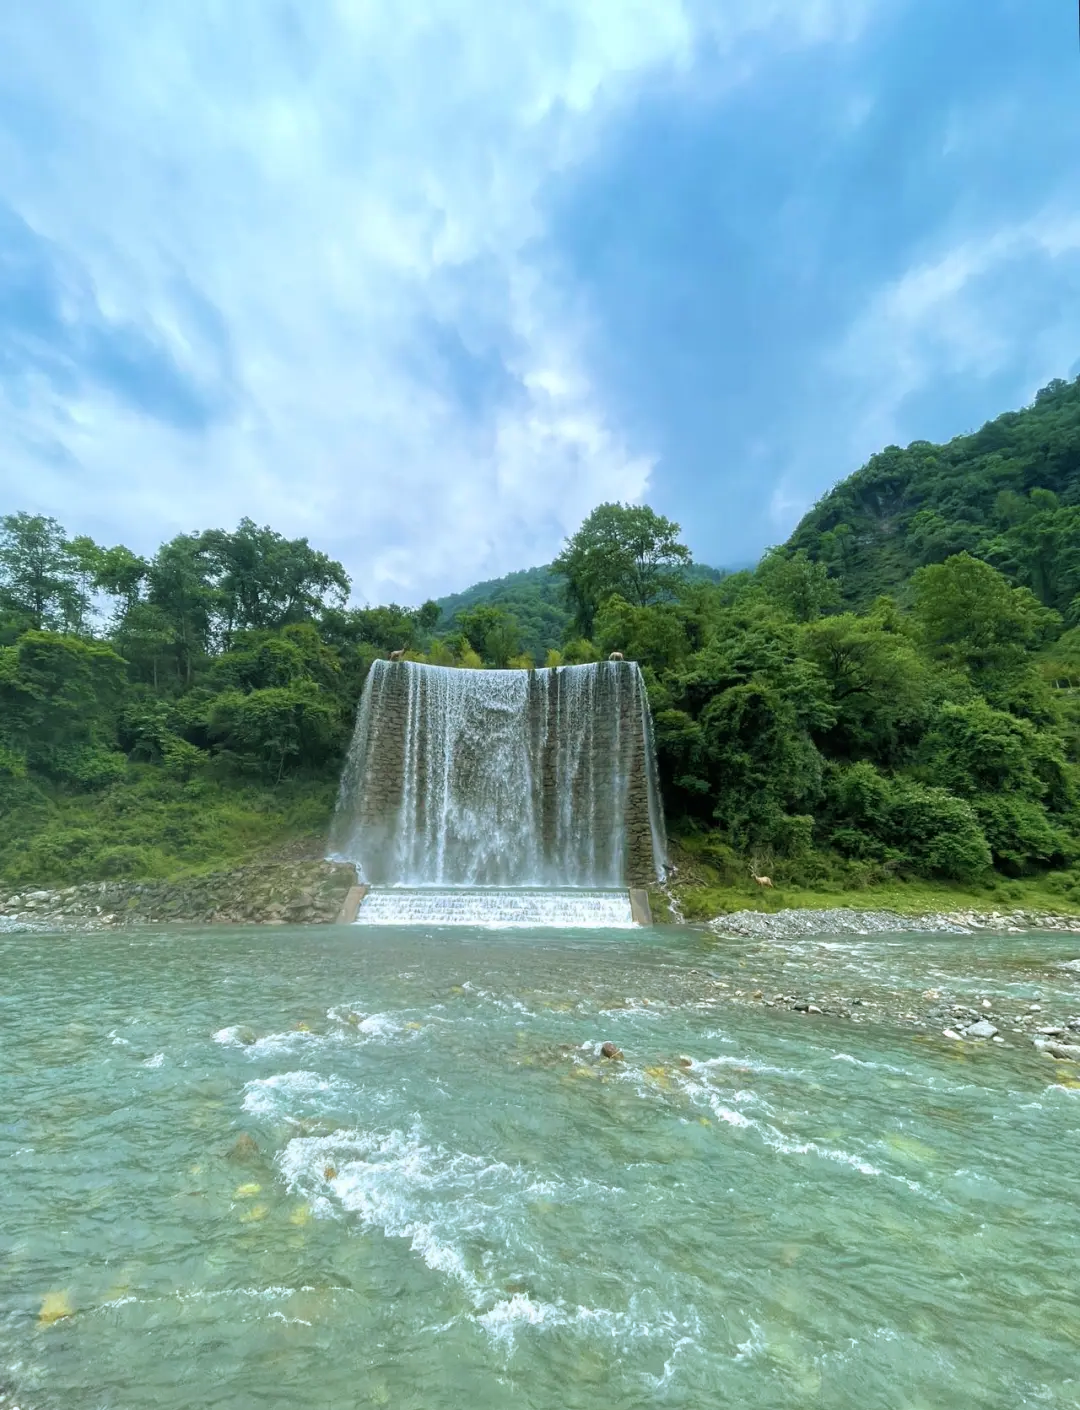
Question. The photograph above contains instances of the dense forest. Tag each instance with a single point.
(890, 694)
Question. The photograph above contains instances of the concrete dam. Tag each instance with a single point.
(505, 785)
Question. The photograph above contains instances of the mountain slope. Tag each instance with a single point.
(1009, 493)
(536, 597)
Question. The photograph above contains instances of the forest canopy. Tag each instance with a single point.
(891, 693)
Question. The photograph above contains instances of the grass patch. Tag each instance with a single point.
(148, 825)
(711, 880)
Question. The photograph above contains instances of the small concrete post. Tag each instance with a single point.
(350, 907)
(639, 906)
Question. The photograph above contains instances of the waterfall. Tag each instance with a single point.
(541, 778)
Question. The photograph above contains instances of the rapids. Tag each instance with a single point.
(368, 1167)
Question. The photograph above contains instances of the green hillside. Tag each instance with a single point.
(1009, 494)
(537, 598)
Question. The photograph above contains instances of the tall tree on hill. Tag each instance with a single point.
(40, 576)
(264, 580)
(624, 550)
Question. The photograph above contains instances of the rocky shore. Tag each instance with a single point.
(789, 960)
(270, 893)
(796, 924)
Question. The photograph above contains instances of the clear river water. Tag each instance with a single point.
(356, 1167)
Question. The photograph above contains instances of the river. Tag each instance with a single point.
(363, 1167)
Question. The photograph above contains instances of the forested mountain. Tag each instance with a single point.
(895, 693)
(537, 598)
(1009, 494)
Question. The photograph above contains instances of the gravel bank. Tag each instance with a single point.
(799, 924)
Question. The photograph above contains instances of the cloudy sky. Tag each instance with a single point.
(425, 282)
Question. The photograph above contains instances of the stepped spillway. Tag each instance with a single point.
(499, 907)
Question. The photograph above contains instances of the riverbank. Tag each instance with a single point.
(823, 965)
(272, 892)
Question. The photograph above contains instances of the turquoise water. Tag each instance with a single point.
(448, 1199)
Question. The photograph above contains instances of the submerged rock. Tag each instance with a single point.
(244, 1148)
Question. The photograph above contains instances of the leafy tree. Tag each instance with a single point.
(656, 635)
(623, 549)
(58, 699)
(264, 580)
(116, 571)
(881, 688)
(492, 632)
(277, 727)
(181, 589)
(801, 585)
(39, 573)
(1012, 772)
(903, 822)
(973, 620)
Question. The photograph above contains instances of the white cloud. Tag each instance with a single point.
(958, 314)
(290, 203)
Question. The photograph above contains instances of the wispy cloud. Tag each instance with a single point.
(283, 260)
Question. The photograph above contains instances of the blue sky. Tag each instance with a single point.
(426, 283)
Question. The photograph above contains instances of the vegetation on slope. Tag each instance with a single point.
(1009, 494)
(859, 712)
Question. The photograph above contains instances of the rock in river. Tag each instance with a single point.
(983, 1029)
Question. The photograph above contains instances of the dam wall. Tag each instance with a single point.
(542, 778)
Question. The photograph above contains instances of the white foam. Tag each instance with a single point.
(776, 1140)
(876, 1066)
(499, 908)
(281, 1094)
(750, 1065)
(155, 1061)
(229, 1037)
(503, 1321)
(379, 1025)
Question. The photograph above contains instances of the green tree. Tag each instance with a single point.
(492, 632)
(881, 688)
(264, 580)
(973, 620)
(1013, 773)
(277, 727)
(59, 699)
(116, 571)
(39, 573)
(624, 549)
(920, 829)
(655, 636)
(181, 589)
(801, 586)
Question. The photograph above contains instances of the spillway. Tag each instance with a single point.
(503, 908)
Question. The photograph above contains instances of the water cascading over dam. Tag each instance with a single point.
(542, 780)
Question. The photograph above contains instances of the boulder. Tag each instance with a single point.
(1068, 1052)
(983, 1029)
(610, 1050)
